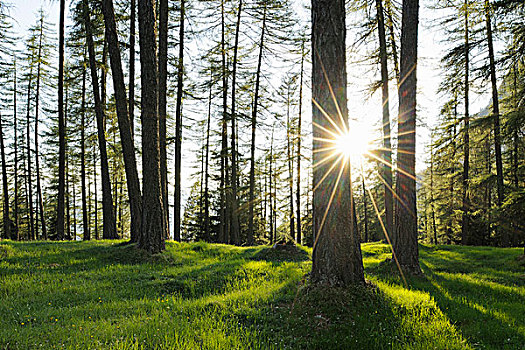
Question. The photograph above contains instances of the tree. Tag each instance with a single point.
(7, 220)
(153, 216)
(61, 126)
(163, 82)
(337, 254)
(124, 121)
(405, 248)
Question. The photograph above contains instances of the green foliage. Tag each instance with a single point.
(92, 295)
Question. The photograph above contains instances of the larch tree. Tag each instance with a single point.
(61, 126)
(405, 247)
(337, 254)
(153, 217)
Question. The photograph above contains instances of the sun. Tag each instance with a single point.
(355, 142)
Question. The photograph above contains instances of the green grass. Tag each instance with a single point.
(92, 295)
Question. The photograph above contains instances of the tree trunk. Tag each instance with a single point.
(405, 245)
(153, 216)
(465, 220)
(386, 167)
(40, 199)
(178, 127)
(28, 146)
(109, 225)
(235, 232)
(61, 127)
(16, 234)
(289, 152)
(224, 219)
(124, 121)
(254, 126)
(298, 155)
(390, 24)
(206, 175)
(272, 208)
(432, 209)
(7, 220)
(131, 83)
(337, 253)
(96, 191)
(365, 207)
(495, 108)
(85, 220)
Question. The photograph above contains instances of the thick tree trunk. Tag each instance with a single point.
(386, 167)
(163, 88)
(235, 231)
(298, 155)
(251, 202)
(109, 225)
(337, 253)
(124, 121)
(153, 216)
(465, 219)
(405, 245)
(7, 220)
(495, 108)
(178, 127)
(61, 127)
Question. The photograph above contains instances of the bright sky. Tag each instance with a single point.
(364, 110)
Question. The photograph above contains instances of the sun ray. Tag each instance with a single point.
(329, 171)
(327, 117)
(396, 168)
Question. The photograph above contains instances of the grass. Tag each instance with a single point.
(92, 295)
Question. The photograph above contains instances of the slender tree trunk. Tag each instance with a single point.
(391, 33)
(124, 121)
(163, 88)
(28, 146)
(254, 126)
(15, 172)
(85, 219)
(365, 207)
(206, 176)
(109, 225)
(178, 126)
(235, 232)
(432, 206)
(337, 253)
(495, 108)
(289, 152)
(96, 191)
(131, 83)
(61, 127)
(40, 200)
(68, 206)
(298, 155)
(7, 220)
(386, 167)
(405, 245)
(450, 229)
(465, 220)
(270, 180)
(224, 225)
(515, 138)
(153, 216)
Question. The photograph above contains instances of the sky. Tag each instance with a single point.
(365, 110)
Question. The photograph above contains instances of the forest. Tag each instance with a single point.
(259, 174)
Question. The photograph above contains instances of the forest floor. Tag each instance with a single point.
(109, 295)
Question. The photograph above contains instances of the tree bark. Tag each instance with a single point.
(495, 108)
(224, 219)
(386, 167)
(153, 216)
(61, 127)
(37, 153)
(235, 232)
(337, 253)
(405, 245)
(206, 175)
(289, 152)
(465, 219)
(163, 87)
(28, 146)
(254, 126)
(7, 220)
(109, 225)
(124, 121)
(131, 83)
(178, 127)
(15, 172)
(85, 219)
(298, 155)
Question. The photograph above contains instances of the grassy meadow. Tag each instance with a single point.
(110, 295)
